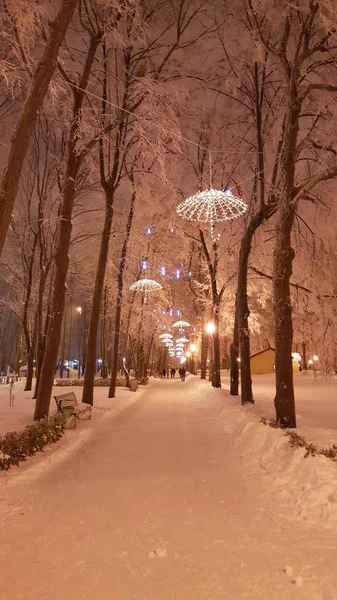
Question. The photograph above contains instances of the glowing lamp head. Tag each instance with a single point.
(210, 328)
(193, 348)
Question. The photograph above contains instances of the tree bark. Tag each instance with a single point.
(29, 113)
(282, 267)
(234, 355)
(104, 369)
(120, 285)
(216, 379)
(304, 363)
(241, 306)
(283, 258)
(204, 353)
(63, 243)
(88, 385)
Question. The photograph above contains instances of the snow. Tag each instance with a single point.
(175, 492)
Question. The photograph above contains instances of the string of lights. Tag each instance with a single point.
(165, 271)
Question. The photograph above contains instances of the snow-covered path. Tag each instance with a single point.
(157, 505)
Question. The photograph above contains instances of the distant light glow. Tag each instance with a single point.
(148, 230)
(178, 274)
(144, 265)
(315, 357)
(210, 328)
(296, 356)
(163, 270)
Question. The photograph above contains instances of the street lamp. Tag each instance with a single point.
(210, 328)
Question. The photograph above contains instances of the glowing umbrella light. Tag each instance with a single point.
(165, 335)
(145, 286)
(183, 339)
(181, 324)
(212, 206)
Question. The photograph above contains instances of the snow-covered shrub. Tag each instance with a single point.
(97, 382)
(133, 385)
(297, 441)
(15, 446)
(143, 381)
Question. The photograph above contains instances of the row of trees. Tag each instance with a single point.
(98, 159)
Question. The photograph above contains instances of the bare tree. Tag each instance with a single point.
(29, 113)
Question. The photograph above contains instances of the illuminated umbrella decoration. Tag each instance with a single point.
(181, 324)
(165, 335)
(183, 339)
(212, 206)
(145, 286)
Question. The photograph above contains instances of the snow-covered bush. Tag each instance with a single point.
(133, 385)
(97, 382)
(15, 446)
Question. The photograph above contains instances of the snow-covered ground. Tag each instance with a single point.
(172, 493)
(316, 403)
(15, 418)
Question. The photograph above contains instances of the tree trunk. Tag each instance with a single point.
(304, 363)
(243, 314)
(148, 356)
(58, 299)
(104, 370)
(118, 315)
(88, 386)
(216, 379)
(63, 243)
(204, 353)
(40, 333)
(234, 355)
(135, 366)
(283, 258)
(26, 122)
(30, 370)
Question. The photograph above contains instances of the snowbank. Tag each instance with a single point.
(73, 441)
(307, 484)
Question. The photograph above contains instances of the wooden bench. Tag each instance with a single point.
(69, 400)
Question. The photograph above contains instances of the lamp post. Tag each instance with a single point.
(315, 357)
(210, 329)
